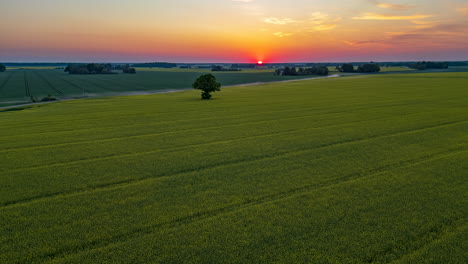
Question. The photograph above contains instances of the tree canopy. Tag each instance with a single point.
(347, 67)
(368, 68)
(207, 84)
(221, 68)
(126, 69)
(2, 68)
(156, 65)
(426, 65)
(315, 70)
(91, 68)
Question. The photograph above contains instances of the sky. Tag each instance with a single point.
(233, 30)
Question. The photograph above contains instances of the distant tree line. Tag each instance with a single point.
(91, 68)
(125, 69)
(97, 68)
(426, 65)
(458, 63)
(221, 68)
(156, 65)
(243, 66)
(363, 68)
(316, 70)
(2, 68)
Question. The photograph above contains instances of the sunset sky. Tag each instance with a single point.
(233, 30)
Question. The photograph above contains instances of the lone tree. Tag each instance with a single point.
(207, 84)
(2, 68)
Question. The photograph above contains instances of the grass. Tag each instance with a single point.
(366, 169)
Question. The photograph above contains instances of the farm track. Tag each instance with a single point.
(51, 86)
(222, 164)
(232, 208)
(74, 85)
(10, 74)
(26, 85)
(98, 85)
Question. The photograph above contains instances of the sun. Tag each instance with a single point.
(260, 62)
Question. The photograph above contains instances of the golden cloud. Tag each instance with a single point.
(282, 35)
(278, 21)
(324, 27)
(463, 10)
(373, 16)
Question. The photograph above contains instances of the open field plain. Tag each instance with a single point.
(17, 86)
(362, 169)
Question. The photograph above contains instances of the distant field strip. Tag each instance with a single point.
(57, 91)
(40, 83)
(350, 170)
(3, 84)
(26, 85)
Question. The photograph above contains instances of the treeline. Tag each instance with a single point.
(217, 68)
(91, 68)
(125, 69)
(363, 68)
(316, 70)
(2, 68)
(244, 66)
(155, 65)
(427, 65)
(97, 68)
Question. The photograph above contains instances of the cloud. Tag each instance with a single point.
(397, 7)
(373, 16)
(324, 27)
(322, 22)
(463, 10)
(318, 18)
(436, 35)
(282, 35)
(278, 21)
(315, 22)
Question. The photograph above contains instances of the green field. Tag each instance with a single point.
(363, 169)
(16, 86)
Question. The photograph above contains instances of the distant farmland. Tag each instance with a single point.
(17, 86)
(368, 169)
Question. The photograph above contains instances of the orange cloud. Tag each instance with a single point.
(324, 27)
(463, 10)
(373, 16)
(278, 21)
(392, 6)
(282, 35)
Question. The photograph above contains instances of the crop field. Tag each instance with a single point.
(17, 86)
(362, 169)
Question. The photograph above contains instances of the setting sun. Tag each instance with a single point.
(260, 62)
